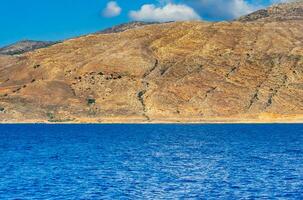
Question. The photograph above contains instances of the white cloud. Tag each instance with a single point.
(223, 9)
(241, 7)
(229, 9)
(112, 9)
(282, 1)
(168, 12)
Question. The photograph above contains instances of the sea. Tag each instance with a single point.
(209, 161)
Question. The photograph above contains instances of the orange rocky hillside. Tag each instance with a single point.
(249, 70)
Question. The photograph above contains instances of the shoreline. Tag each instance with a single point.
(264, 118)
(155, 122)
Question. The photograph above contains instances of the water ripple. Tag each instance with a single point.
(151, 162)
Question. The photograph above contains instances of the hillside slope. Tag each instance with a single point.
(124, 27)
(174, 72)
(24, 46)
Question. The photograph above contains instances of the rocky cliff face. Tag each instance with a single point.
(174, 72)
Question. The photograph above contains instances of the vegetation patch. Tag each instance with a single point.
(36, 66)
(91, 101)
(52, 118)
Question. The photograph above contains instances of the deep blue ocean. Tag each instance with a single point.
(151, 162)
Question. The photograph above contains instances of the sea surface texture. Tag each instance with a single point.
(151, 162)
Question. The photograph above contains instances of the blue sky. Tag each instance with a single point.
(61, 19)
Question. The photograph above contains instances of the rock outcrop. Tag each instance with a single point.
(173, 72)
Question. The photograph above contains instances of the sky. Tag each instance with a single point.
(52, 20)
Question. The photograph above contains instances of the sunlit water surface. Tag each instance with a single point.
(151, 161)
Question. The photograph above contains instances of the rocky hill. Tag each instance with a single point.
(31, 45)
(173, 72)
(125, 26)
(279, 12)
(24, 46)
